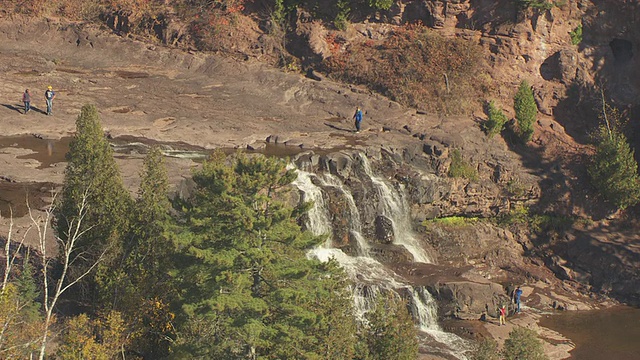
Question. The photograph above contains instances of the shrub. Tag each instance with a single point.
(523, 344)
(576, 35)
(535, 4)
(486, 350)
(459, 168)
(380, 4)
(451, 221)
(410, 67)
(525, 107)
(497, 120)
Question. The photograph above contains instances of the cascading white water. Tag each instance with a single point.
(370, 276)
(319, 223)
(355, 225)
(394, 206)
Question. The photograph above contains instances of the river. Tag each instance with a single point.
(612, 334)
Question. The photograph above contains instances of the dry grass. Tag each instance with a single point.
(419, 68)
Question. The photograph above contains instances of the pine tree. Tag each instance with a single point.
(614, 170)
(92, 175)
(526, 110)
(523, 344)
(145, 286)
(248, 289)
(28, 290)
(390, 333)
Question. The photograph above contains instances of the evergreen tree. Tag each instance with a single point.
(486, 350)
(523, 344)
(390, 333)
(92, 177)
(248, 290)
(526, 110)
(146, 288)
(614, 170)
(28, 290)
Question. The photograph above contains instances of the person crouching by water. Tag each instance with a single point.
(26, 99)
(358, 118)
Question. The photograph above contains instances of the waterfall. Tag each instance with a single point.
(371, 277)
(355, 225)
(395, 207)
(319, 223)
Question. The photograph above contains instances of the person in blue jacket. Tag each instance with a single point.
(358, 118)
(516, 297)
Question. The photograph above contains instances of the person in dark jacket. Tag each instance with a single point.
(49, 95)
(26, 99)
(358, 118)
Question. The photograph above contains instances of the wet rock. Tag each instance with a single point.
(384, 229)
(469, 297)
(256, 146)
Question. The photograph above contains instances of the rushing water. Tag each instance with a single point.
(612, 334)
(395, 207)
(370, 276)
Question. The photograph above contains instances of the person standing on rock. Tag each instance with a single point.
(358, 118)
(26, 99)
(49, 95)
(503, 315)
(516, 298)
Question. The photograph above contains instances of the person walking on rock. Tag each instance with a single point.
(358, 118)
(26, 99)
(49, 95)
(516, 298)
(503, 315)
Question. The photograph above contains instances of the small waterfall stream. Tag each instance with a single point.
(395, 207)
(369, 275)
(355, 226)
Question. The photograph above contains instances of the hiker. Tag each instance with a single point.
(26, 99)
(49, 95)
(516, 298)
(503, 315)
(358, 118)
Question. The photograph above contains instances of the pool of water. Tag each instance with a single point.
(46, 151)
(611, 334)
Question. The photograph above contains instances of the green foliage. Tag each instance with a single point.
(497, 120)
(389, 333)
(92, 180)
(459, 168)
(521, 215)
(380, 4)
(144, 286)
(29, 293)
(526, 110)
(614, 170)
(247, 287)
(523, 344)
(486, 350)
(516, 188)
(452, 221)
(341, 22)
(536, 4)
(400, 66)
(576, 35)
